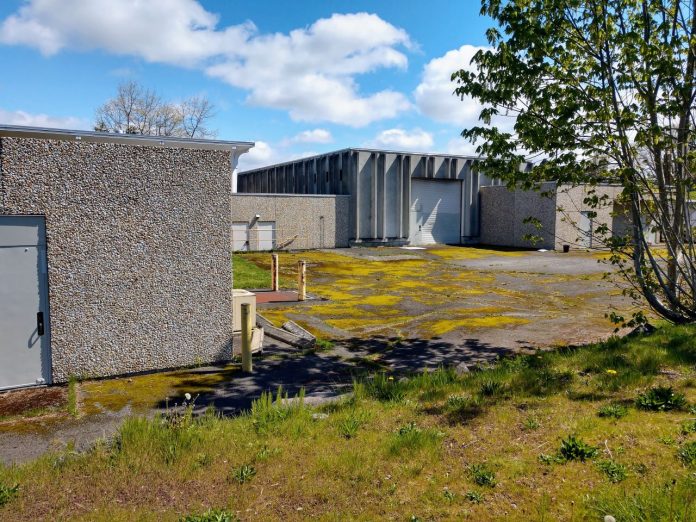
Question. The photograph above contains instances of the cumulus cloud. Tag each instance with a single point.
(41, 120)
(264, 154)
(309, 72)
(434, 95)
(312, 136)
(416, 139)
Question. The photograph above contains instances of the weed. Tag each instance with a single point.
(474, 497)
(266, 453)
(490, 388)
(7, 493)
(530, 424)
(323, 344)
(667, 440)
(482, 475)
(412, 438)
(460, 408)
(244, 473)
(613, 411)
(688, 427)
(267, 413)
(661, 398)
(687, 454)
(550, 459)
(212, 515)
(449, 496)
(385, 388)
(349, 426)
(614, 471)
(573, 448)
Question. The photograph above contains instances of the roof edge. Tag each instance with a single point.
(18, 131)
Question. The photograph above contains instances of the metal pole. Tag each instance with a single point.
(301, 280)
(246, 338)
(274, 272)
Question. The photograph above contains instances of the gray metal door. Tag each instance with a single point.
(435, 212)
(24, 326)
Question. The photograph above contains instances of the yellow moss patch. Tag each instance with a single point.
(143, 392)
(443, 326)
(456, 253)
(381, 300)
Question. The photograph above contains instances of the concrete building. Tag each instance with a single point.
(114, 253)
(562, 213)
(289, 221)
(395, 198)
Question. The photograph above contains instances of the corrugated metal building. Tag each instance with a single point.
(396, 197)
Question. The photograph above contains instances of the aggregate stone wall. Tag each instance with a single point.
(570, 203)
(503, 212)
(138, 251)
(301, 221)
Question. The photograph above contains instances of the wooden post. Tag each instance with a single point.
(246, 338)
(301, 280)
(274, 272)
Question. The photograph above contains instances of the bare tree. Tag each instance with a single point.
(138, 110)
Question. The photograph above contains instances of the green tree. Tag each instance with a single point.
(600, 90)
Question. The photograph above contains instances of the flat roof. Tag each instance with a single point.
(363, 149)
(18, 131)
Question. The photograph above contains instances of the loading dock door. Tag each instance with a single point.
(24, 325)
(435, 212)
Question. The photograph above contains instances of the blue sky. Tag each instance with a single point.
(296, 77)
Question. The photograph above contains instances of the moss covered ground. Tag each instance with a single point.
(429, 294)
(551, 436)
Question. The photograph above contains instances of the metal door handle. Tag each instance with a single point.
(39, 323)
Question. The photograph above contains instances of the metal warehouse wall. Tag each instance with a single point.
(138, 250)
(379, 183)
(299, 221)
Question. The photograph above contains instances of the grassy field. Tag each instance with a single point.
(573, 434)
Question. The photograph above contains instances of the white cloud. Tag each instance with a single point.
(434, 95)
(312, 136)
(415, 140)
(461, 147)
(41, 120)
(264, 154)
(309, 72)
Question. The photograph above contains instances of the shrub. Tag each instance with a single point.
(573, 448)
(211, 516)
(474, 497)
(661, 398)
(614, 411)
(687, 454)
(412, 438)
(385, 388)
(482, 475)
(244, 473)
(7, 493)
(349, 426)
(614, 471)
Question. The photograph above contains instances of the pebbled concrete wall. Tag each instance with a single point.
(503, 212)
(298, 218)
(138, 242)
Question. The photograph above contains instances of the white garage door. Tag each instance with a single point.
(240, 236)
(435, 212)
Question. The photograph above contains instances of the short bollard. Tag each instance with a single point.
(246, 338)
(301, 280)
(274, 272)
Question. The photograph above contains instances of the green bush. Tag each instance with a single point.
(7, 493)
(614, 411)
(573, 448)
(687, 454)
(212, 515)
(244, 473)
(661, 398)
(482, 475)
(614, 471)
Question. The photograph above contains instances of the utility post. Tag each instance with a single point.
(274, 272)
(301, 280)
(246, 338)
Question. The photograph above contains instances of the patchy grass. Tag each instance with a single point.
(248, 275)
(435, 446)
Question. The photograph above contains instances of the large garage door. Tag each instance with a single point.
(24, 345)
(435, 212)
